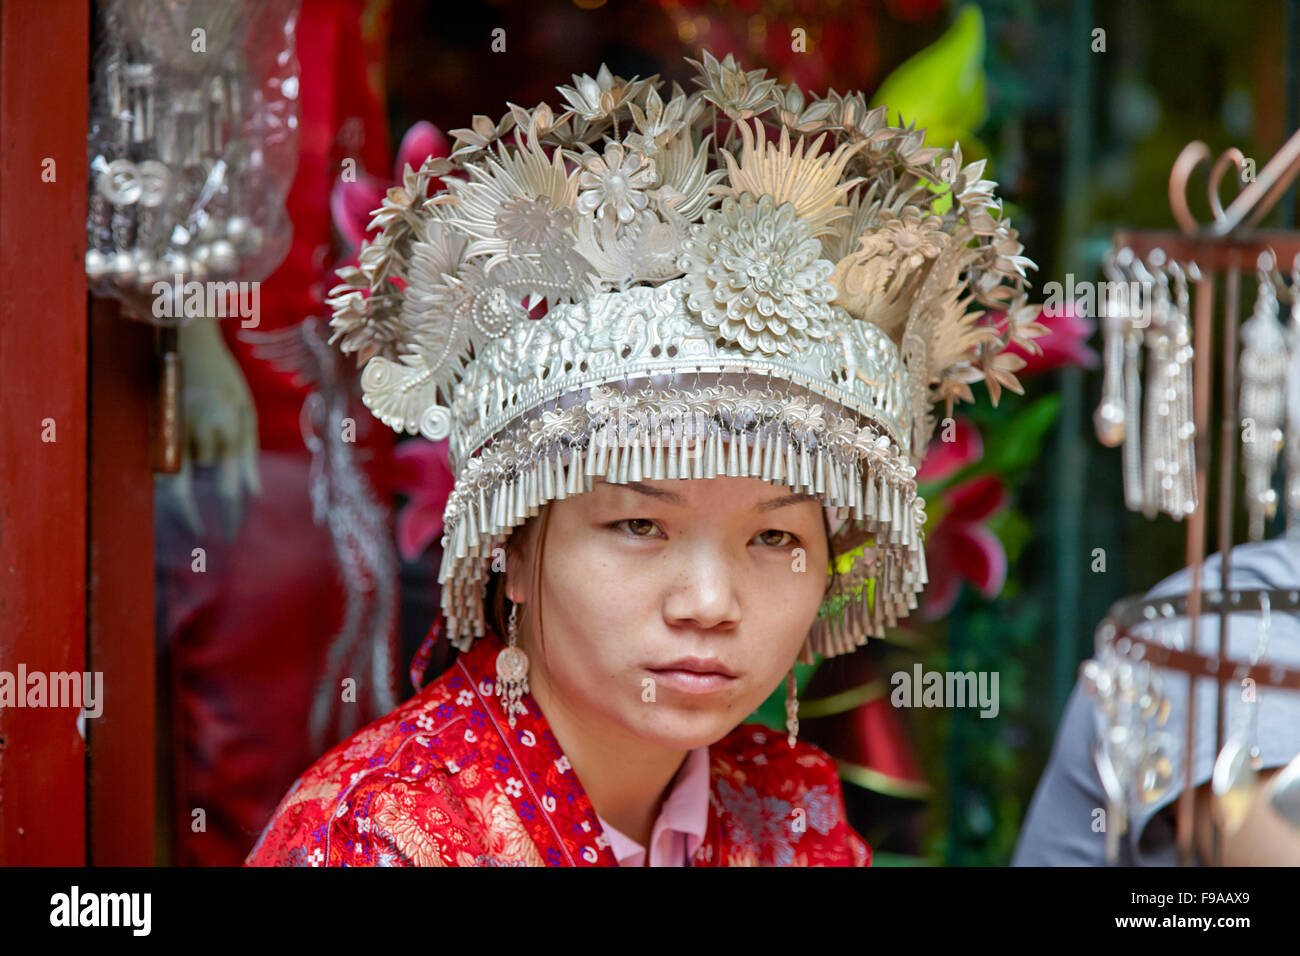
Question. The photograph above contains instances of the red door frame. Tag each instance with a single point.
(120, 607)
(76, 513)
(43, 350)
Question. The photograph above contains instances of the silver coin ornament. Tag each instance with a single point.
(512, 665)
(120, 182)
(155, 181)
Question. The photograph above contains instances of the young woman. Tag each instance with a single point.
(695, 469)
(670, 610)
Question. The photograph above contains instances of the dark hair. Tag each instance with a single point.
(494, 602)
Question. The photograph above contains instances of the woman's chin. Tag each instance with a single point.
(680, 728)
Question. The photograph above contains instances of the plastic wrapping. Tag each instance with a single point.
(193, 145)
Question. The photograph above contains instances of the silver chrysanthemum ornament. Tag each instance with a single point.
(755, 274)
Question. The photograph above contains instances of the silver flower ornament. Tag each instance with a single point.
(756, 276)
(614, 186)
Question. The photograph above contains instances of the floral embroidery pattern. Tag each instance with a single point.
(403, 793)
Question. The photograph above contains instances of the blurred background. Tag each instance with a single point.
(1080, 108)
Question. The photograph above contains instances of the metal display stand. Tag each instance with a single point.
(1199, 257)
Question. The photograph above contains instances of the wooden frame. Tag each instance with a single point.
(44, 49)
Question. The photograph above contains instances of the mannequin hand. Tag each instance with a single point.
(220, 425)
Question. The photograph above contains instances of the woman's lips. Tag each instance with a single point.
(692, 682)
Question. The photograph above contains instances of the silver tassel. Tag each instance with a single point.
(647, 453)
(611, 464)
(591, 454)
(557, 477)
(896, 533)
(498, 509)
(574, 485)
(623, 468)
(636, 457)
(546, 489)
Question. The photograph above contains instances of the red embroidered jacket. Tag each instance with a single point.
(444, 781)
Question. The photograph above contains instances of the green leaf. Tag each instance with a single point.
(941, 88)
(1010, 446)
(1016, 444)
(1014, 531)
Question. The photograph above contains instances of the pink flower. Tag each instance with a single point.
(422, 472)
(1064, 344)
(352, 204)
(960, 548)
(943, 459)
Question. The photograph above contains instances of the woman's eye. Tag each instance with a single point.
(637, 527)
(776, 539)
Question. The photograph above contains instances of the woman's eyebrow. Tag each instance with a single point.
(783, 501)
(673, 498)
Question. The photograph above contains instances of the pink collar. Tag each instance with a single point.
(682, 822)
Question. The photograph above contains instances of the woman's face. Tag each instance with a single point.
(637, 577)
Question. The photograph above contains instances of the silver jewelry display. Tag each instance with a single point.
(1140, 645)
(1291, 444)
(1133, 749)
(181, 132)
(1156, 427)
(1264, 365)
(1234, 780)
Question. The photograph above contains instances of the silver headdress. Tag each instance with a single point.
(785, 304)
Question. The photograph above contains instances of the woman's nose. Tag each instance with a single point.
(705, 590)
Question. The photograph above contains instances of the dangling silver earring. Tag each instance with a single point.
(512, 670)
(791, 708)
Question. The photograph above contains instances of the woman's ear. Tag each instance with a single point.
(518, 547)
